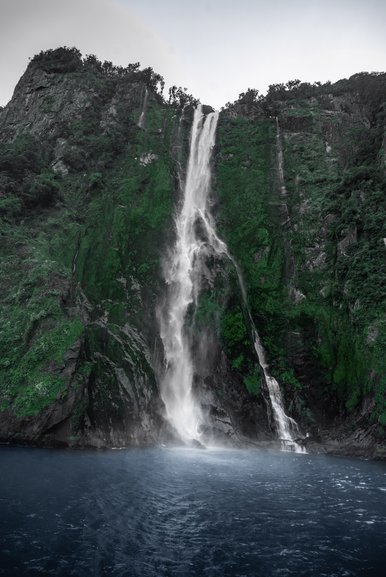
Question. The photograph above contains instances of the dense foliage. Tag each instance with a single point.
(82, 212)
(87, 199)
(329, 233)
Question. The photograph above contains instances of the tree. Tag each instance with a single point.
(179, 97)
(61, 59)
(154, 81)
(251, 96)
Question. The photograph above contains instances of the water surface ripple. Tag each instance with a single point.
(190, 512)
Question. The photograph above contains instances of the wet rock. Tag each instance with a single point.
(147, 158)
(296, 123)
(60, 168)
(347, 242)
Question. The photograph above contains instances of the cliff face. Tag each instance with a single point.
(310, 237)
(87, 203)
(76, 367)
(87, 198)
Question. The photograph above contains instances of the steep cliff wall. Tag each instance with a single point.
(301, 186)
(87, 200)
(85, 194)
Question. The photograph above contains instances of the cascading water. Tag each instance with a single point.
(286, 427)
(141, 120)
(183, 273)
(280, 160)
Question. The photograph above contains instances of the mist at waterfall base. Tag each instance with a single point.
(189, 512)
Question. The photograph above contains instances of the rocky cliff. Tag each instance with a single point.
(92, 161)
(309, 234)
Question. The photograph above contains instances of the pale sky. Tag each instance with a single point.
(216, 48)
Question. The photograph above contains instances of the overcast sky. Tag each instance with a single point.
(216, 48)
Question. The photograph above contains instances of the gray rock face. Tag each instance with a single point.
(347, 241)
(100, 182)
(116, 404)
(109, 395)
(45, 103)
(234, 416)
(40, 102)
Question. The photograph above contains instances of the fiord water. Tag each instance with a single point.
(190, 513)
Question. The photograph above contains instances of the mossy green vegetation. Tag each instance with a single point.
(311, 254)
(249, 222)
(31, 385)
(87, 203)
(337, 209)
(35, 331)
(82, 246)
(120, 252)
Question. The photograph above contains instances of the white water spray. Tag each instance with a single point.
(183, 275)
(280, 160)
(141, 120)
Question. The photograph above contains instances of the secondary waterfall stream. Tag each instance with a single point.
(286, 427)
(182, 271)
(141, 120)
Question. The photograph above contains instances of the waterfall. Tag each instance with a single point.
(141, 120)
(280, 160)
(196, 239)
(286, 427)
(290, 269)
(182, 275)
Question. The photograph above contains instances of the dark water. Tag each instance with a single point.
(190, 513)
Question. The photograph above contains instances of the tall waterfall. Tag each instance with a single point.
(182, 274)
(197, 239)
